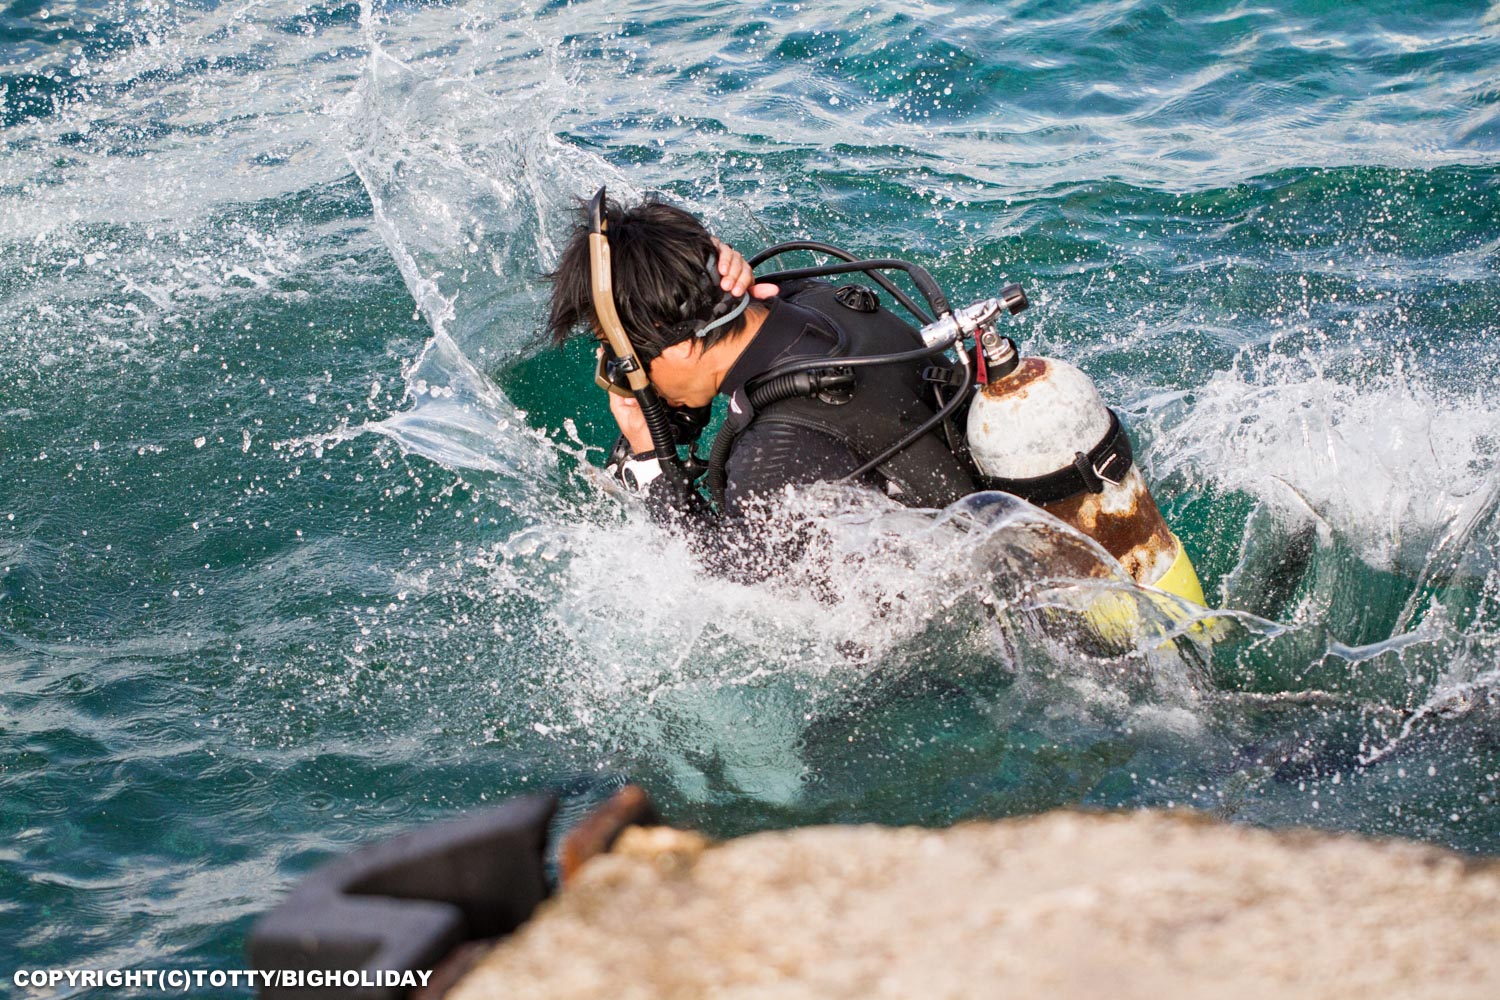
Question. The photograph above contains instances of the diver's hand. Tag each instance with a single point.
(627, 413)
(735, 276)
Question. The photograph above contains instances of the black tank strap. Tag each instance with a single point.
(1105, 464)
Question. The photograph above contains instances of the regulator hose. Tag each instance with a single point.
(678, 476)
(925, 283)
(663, 440)
(858, 361)
(832, 251)
(966, 388)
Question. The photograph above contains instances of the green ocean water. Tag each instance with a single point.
(298, 541)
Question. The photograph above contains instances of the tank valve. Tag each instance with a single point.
(1000, 356)
(974, 318)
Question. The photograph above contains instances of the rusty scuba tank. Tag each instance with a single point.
(1039, 429)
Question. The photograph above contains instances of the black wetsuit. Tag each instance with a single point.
(770, 455)
(806, 440)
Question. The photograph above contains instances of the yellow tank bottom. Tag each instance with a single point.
(1117, 616)
(1180, 579)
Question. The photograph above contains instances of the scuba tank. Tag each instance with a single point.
(1038, 429)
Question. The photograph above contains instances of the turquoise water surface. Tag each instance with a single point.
(299, 544)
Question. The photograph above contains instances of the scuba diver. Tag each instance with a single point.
(682, 298)
(824, 384)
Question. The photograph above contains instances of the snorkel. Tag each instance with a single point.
(618, 356)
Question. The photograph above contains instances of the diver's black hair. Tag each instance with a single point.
(665, 276)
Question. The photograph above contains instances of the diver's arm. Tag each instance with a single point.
(755, 539)
(768, 457)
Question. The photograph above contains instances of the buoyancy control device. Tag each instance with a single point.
(866, 407)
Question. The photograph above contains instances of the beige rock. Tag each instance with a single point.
(1119, 906)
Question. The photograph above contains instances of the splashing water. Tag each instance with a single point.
(300, 540)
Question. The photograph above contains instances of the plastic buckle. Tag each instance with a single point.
(943, 375)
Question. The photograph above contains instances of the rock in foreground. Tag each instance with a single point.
(1137, 905)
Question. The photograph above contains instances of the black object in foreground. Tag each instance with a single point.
(407, 903)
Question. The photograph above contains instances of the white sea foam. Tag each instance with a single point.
(1388, 464)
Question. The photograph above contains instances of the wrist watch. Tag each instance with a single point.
(638, 473)
(634, 473)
